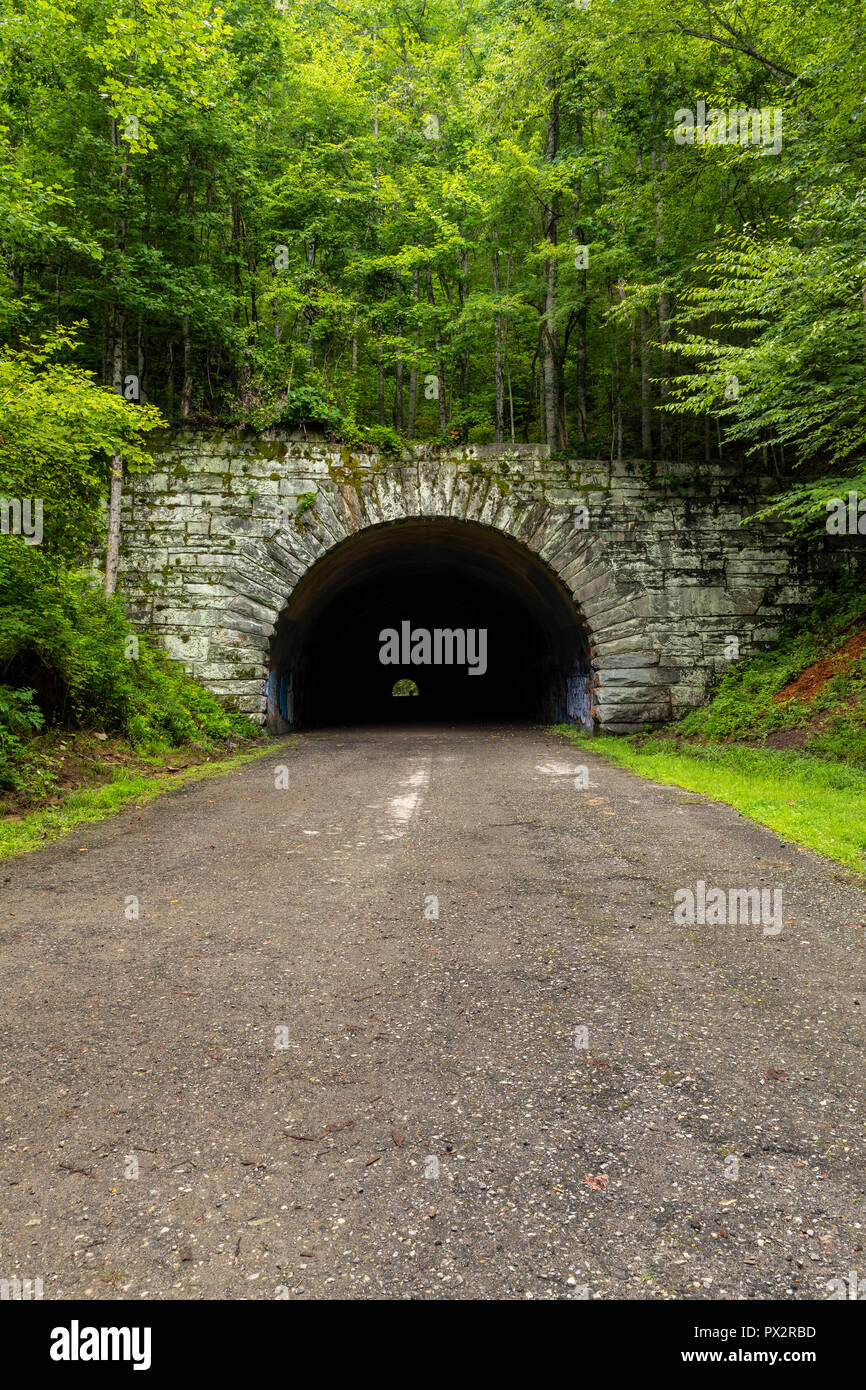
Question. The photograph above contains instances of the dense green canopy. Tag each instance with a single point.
(445, 219)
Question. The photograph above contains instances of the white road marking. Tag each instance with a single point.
(557, 769)
(401, 809)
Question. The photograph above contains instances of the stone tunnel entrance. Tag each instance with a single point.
(428, 590)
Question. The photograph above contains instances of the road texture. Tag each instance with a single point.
(551, 1089)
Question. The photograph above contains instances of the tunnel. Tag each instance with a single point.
(428, 620)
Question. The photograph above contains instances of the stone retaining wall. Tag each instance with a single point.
(215, 539)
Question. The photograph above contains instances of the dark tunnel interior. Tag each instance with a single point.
(413, 578)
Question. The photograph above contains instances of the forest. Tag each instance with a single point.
(444, 220)
(629, 230)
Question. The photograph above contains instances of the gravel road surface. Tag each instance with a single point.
(421, 1024)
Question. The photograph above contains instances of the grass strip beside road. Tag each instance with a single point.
(816, 803)
(18, 835)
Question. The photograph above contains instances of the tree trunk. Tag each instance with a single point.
(310, 312)
(115, 495)
(169, 381)
(498, 355)
(505, 347)
(440, 366)
(186, 392)
(646, 409)
(398, 362)
(581, 364)
(236, 258)
(112, 546)
(616, 395)
(664, 310)
(582, 312)
(398, 395)
(413, 374)
(462, 291)
(664, 337)
(549, 350)
(141, 364)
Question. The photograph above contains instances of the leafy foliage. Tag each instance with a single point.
(745, 705)
(20, 716)
(307, 214)
(66, 646)
(58, 432)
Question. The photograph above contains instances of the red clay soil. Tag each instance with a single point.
(812, 681)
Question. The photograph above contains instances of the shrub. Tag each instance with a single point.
(20, 716)
(66, 644)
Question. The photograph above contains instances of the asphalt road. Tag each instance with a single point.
(551, 1089)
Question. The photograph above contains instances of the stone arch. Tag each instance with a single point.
(429, 574)
(267, 571)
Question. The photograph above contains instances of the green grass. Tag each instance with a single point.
(90, 804)
(808, 800)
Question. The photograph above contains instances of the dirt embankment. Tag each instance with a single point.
(810, 683)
